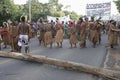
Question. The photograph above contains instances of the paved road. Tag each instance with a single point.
(112, 61)
(11, 69)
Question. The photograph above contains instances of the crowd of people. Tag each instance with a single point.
(18, 34)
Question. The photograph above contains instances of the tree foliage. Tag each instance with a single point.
(74, 16)
(8, 10)
(117, 2)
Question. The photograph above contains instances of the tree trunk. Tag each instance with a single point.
(114, 75)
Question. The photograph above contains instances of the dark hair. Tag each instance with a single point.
(51, 20)
(86, 18)
(23, 18)
(41, 21)
(81, 19)
(111, 21)
(5, 24)
(114, 23)
(57, 18)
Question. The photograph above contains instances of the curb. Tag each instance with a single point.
(112, 60)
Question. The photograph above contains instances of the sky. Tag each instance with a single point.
(79, 6)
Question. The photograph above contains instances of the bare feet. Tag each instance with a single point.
(60, 47)
(70, 47)
(75, 46)
(57, 47)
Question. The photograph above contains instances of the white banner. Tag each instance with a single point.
(99, 9)
(64, 18)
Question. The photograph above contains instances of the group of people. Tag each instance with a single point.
(15, 35)
(18, 34)
(79, 32)
(50, 32)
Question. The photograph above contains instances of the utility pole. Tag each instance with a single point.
(30, 10)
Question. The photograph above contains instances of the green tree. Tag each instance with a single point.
(55, 8)
(46, 10)
(117, 2)
(74, 15)
(7, 10)
(67, 13)
(52, 8)
(36, 8)
(19, 12)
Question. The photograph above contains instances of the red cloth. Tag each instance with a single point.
(71, 24)
(5, 33)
